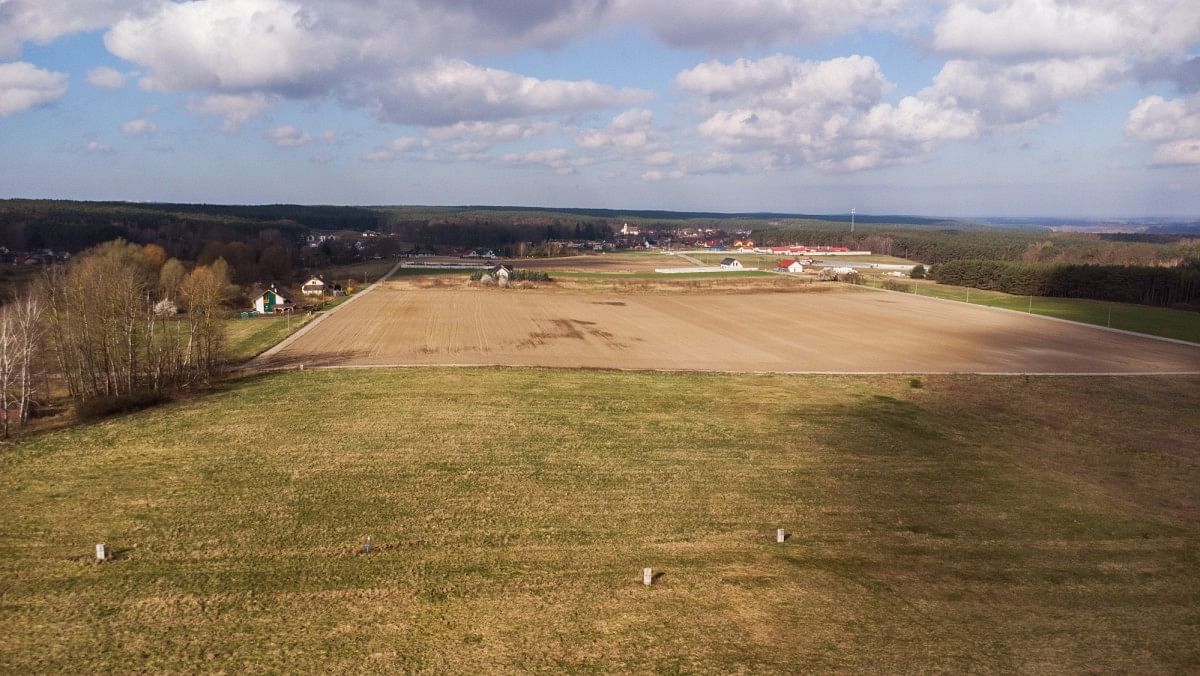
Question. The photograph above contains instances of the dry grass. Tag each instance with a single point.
(974, 524)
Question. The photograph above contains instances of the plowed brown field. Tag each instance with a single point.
(845, 331)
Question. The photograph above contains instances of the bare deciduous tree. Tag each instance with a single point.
(105, 334)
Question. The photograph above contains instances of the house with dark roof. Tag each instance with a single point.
(272, 301)
(731, 264)
(315, 286)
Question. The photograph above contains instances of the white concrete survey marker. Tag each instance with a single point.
(101, 552)
(647, 576)
(780, 535)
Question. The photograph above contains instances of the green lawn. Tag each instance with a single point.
(248, 338)
(970, 525)
(1148, 319)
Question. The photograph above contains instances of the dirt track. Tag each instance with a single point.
(852, 331)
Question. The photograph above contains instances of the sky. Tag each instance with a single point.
(1081, 108)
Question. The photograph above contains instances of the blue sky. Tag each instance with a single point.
(995, 107)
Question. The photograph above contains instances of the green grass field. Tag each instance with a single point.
(969, 525)
(248, 338)
(1156, 321)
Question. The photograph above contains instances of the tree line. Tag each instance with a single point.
(1149, 285)
(932, 246)
(496, 232)
(119, 321)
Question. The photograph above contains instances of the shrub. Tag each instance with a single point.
(915, 383)
(893, 285)
(918, 272)
(102, 407)
(529, 276)
(477, 275)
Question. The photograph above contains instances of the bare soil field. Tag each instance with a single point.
(851, 331)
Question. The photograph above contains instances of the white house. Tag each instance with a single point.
(272, 301)
(500, 272)
(731, 264)
(628, 229)
(314, 287)
(789, 265)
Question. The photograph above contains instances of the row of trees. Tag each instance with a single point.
(182, 229)
(496, 232)
(21, 333)
(932, 246)
(108, 326)
(1149, 285)
(112, 327)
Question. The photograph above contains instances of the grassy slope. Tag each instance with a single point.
(964, 526)
(248, 338)
(1155, 321)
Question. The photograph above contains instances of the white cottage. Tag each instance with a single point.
(272, 301)
(731, 264)
(314, 287)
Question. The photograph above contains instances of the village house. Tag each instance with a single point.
(789, 265)
(273, 302)
(731, 264)
(315, 287)
(628, 229)
(500, 273)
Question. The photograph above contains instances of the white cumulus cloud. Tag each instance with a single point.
(229, 45)
(1036, 29)
(139, 127)
(395, 149)
(24, 86)
(288, 136)
(452, 90)
(235, 110)
(559, 160)
(782, 111)
(106, 78)
(722, 24)
(1016, 95)
(43, 21)
(1172, 125)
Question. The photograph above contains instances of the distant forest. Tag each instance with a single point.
(1169, 287)
(1151, 269)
